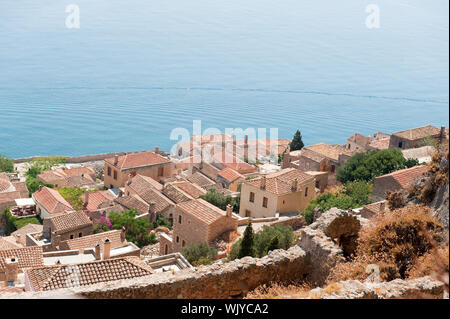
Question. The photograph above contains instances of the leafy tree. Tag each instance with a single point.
(136, 228)
(411, 162)
(263, 239)
(199, 254)
(73, 196)
(7, 220)
(359, 191)
(297, 142)
(247, 245)
(274, 244)
(6, 164)
(33, 184)
(366, 166)
(220, 200)
(161, 221)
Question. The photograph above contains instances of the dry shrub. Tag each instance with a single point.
(394, 242)
(277, 290)
(435, 263)
(396, 199)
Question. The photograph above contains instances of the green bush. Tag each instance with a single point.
(12, 223)
(73, 196)
(199, 254)
(259, 244)
(220, 200)
(136, 229)
(161, 221)
(366, 166)
(6, 164)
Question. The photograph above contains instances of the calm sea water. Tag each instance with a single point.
(137, 69)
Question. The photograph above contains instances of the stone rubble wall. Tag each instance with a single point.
(228, 280)
(424, 287)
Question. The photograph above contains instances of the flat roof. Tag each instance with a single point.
(68, 259)
(25, 201)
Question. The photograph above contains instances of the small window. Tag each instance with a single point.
(333, 168)
(265, 200)
(160, 171)
(111, 186)
(306, 191)
(400, 145)
(80, 234)
(115, 174)
(317, 184)
(183, 244)
(179, 219)
(178, 239)
(109, 171)
(71, 236)
(252, 197)
(247, 213)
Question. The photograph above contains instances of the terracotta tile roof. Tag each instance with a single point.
(161, 202)
(375, 208)
(196, 159)
(176, 194)
(51, 200)
(418, 133)
(405, 177)
(234, 163)
(133, 202)
(380, 144)
(138, 159)
(91, 241)
(9, 242)
(69, 221)
(189, 188)
(330, 151)
(9, 197)
(95, 199)
(69, 177)
(316, 157)
(26, 257)
(230, 174)
(28, 229)
(66, 276)
(140, 183)
(5, 185)
(22, 188)
(280, 183)
(360, 139)
(202, 210)
(201, 179)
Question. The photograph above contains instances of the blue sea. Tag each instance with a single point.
(137, 69)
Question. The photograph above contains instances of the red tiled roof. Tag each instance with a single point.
(202, 210)
(95, 199)
(137, 159)
(51, 200)
(405, 177)
(9, 197)
(91, 241)
(69, 221)
(232, 162)
(280, 183)
(380, 144)
(330, 151)
(69, 177)
(133, 202)
(62, 276)
(140, 183)
(26, 257)
(418, 133)
(4, 185)
(201, 180)
(9, 242)
(176, 194)
(193, 190)
(230, 174)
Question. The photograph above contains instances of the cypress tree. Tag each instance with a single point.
(274, 244)
(247, 247)
(297, 142)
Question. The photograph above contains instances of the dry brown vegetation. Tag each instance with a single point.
(395, 242)
(277, 290)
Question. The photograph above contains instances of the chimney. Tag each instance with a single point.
(229, 210)
(130, 177)
(246, 140)
(382, 206)
(123, 234)
(56, 240)
(442, 134)
(40, 188)
(106, 249)
(263, 182)
(86, 198)
(18, 237)
(97, 252)
(294, 185)
(120, 193)
(11, 269)
(116, 159)
(156, 149)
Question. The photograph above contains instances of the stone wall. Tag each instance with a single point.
(76, 159)
(229, 280)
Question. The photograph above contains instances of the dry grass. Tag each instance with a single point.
(280, 291)
(395, 242)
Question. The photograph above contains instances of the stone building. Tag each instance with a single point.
(68, 225)
(230, 179)
(414, 137)
(287, 191)
(69, 177)
(197, 221)
(49, 202)
(14, 261)
(398, 180)
(10, 190)
(151, 164)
